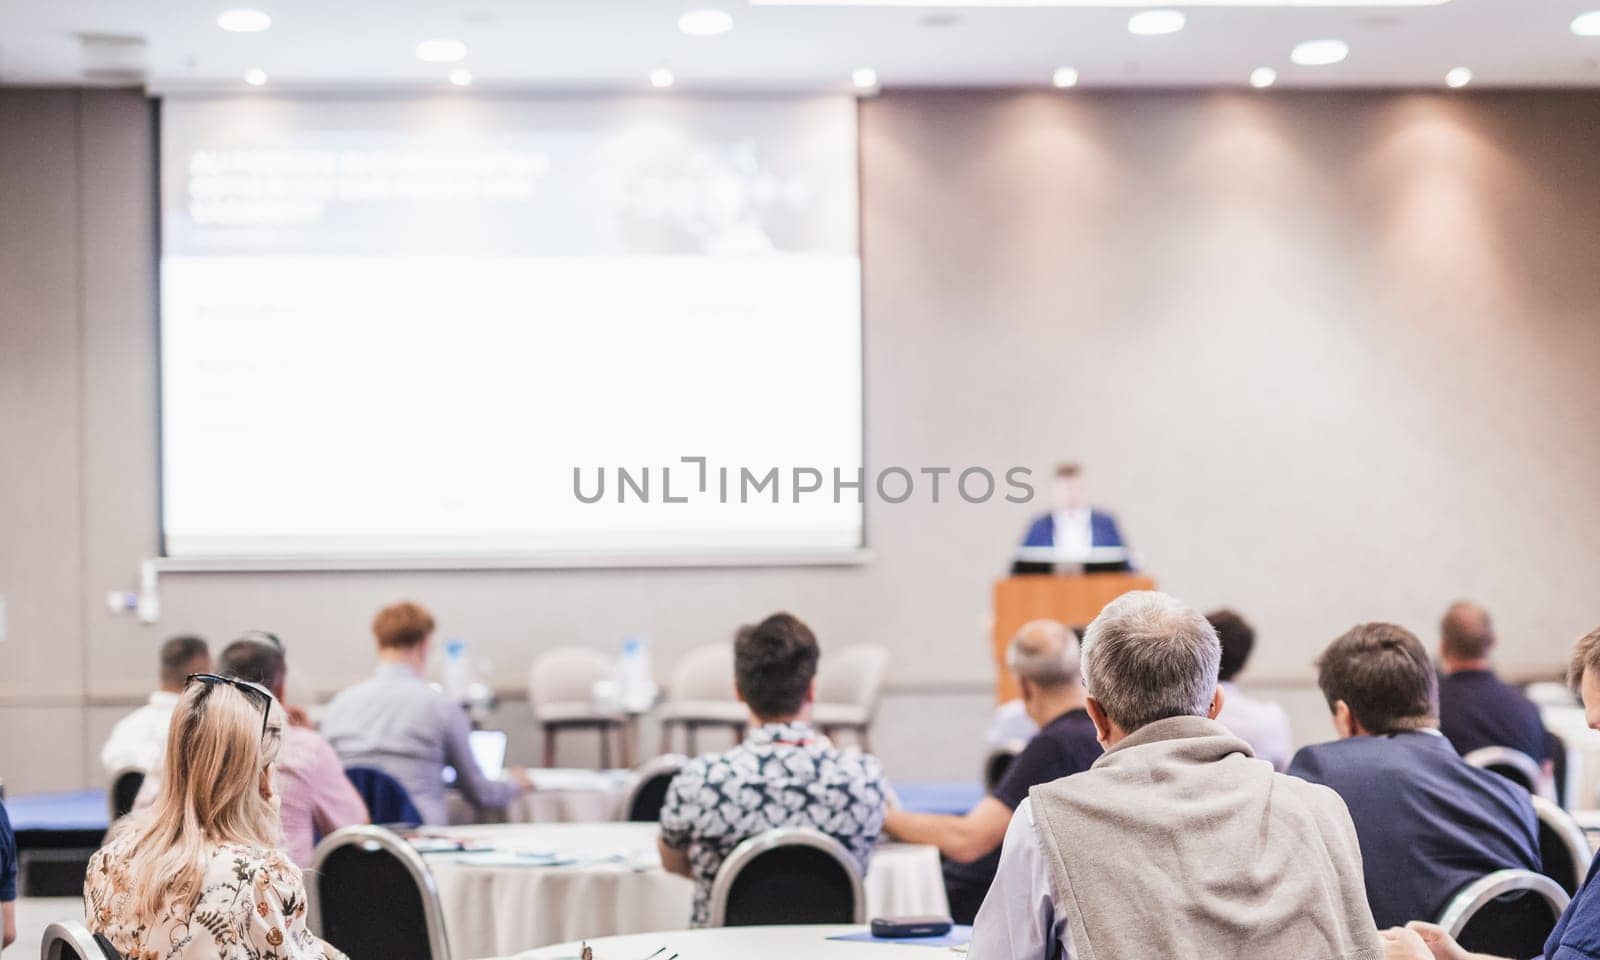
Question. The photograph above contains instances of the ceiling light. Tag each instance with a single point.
(1154, 23)
(864, 77)
(1458, 77)
(255, 76)
(243, 21)
(1064, 77)
(441, 51)
(1587, 24)
(705, 23)
(1320, 53)
(1263, 77)
(460, 77)
(661, 78)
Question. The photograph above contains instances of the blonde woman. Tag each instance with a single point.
(197, 876)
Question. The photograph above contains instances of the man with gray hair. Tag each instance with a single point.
(1044, 655)
(1177, 842)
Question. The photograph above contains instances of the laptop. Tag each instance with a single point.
(488, 749)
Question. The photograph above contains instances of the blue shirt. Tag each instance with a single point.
(1478, 709)
(1577, 933)
(8, 858)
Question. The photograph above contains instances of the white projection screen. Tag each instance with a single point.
(419, 328)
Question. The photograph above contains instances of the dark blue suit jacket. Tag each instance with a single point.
(1478, 709)
(1102, 527)
(1428, 822)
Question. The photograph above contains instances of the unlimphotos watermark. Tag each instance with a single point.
(693, 478)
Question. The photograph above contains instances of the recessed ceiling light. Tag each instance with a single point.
(1320, 53)
(461, 77)
(441, 51)
(661, 78)
(864, 77)
(1458, 77)
(1064, 77)
(1587, 24)
(1154, 23)
(255, 76)
(1263, 77)
(705, 23)
(243, 21)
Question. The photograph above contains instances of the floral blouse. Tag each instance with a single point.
(252, 907)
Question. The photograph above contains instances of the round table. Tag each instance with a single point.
(551, 882)
(745, 943)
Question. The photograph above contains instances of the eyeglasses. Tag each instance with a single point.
(255, 692)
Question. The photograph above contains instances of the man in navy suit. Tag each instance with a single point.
(1428, 822)
(1073, 526)
(1476, 708)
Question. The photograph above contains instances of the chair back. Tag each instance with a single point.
(371, 895)
(1508, 913)
(647, 788)
(853, 676)
(70, 940)
(387, 801)
(1563, 846)
(792, 875)
(1515, 766)
(704, 673)
(997, 763)
(566, 675)
(124, 790)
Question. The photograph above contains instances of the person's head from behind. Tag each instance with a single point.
(181, 656)
(1147, 657)
(216, 787)
(775, 667)
(1066, 487)
(255, 659)
(1237, 637)
(1583, 675)
(1044, 656)
(1377, 680)
(1466, 636)
(404, 631)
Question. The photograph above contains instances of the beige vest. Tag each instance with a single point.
(1179, 844)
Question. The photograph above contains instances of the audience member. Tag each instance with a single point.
(1428, 821)
(8, 880)
(137, 739)
(197, 876)
(1260, 723)
(1044, 657)
(1177, 842)
(317, 797)
(1577, 933)
(399, 724)
(784, 774)
(1476, 708)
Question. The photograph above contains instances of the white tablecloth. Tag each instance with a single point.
(1583, 754)
(496, 905)
(744, 943)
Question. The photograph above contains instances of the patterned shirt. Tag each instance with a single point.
(783, 775)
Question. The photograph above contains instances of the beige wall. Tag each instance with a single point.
(1329, 355)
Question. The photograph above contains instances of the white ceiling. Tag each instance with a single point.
(614, 44)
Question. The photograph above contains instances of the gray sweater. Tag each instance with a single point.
(1179, 844)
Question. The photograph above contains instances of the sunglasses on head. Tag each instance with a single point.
(256, 693)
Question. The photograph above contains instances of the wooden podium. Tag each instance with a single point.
(1074, 600)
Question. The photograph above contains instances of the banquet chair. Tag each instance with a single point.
(1561, 768)
(700, 694)
(1515, 766)
(387, 800)
(646, 792)
(849, 686)
(124, 790)
(561, 686)
(372, 895)
(791, 875)
(71, 940)
(998, 762)
(1563, 846)
(1508, 913)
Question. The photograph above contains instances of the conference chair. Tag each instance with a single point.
(125, 784)
(1515, 766)
(849, 685)
(70, 940)
(792, 875)
(561, 686)
(1561, 768)
(1508, 913)
(647, 788)
(1563, 846)
(700, 694)
(998, 762)
(388, 802)
(371, 895)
